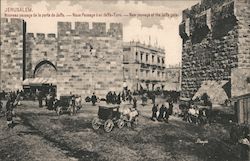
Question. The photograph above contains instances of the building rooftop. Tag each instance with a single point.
(143, 45)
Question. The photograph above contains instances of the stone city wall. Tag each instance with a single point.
(11, 58)
(240, 81)
(39, 47)
(242, 13)
(89, 60)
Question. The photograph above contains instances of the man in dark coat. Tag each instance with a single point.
(167, 113)
(170, 110)
(123, 96)
(9, 110)
(1, 106)
(134, 102)
(162, 112)
(40, 98)
(73, 103)
(93, 99)
(118, 101)
(114, 98)
(109, 97)
(153, 98)
(154, 112)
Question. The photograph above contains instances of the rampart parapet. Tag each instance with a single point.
(98, 29)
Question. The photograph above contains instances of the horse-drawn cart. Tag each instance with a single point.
(67, 104)
(110, 115)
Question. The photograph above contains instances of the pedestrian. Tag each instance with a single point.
(118, 99)
(209, 115)
(9, 111)
(114, 98)
(50, 101)
(153, 98)
(130, 98)
(154, 112)
(109, 97)
(161, 113)
(40, 98)
(93, 99)
(73, 103)
(134, 103)
(167, 113)
(144, 99)
(123, 96)
(170, 109)
(1, 106)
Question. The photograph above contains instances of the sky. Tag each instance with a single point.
(149, 21)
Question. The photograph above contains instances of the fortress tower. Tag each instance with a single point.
(216, 38)
(12, 65)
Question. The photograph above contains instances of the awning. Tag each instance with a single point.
(39, 81)
(214, 90)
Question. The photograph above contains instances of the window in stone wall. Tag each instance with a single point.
(153, 58)
(200, 29)
(136, 56)
(146, 57)
(141, 56)
(153, 73)
(224, 22)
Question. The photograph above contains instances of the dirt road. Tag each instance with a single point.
(41, 135)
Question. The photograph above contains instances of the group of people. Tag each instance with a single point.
(123, 96)
(193, 114)
(161, 112)
(49, 99)
(12, 100)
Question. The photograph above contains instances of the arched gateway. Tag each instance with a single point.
(45, 69)
(44, 78)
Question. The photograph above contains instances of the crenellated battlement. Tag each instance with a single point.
(208, 16)
(202, 7)
(11, 20)
(95, 29)
(41, 36)
(16, 23)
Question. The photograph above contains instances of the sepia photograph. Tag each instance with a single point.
(125, 80)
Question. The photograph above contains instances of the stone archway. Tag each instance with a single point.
(45, 68)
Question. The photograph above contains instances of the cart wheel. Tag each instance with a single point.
(120, 124)
(108, 125)
(95, 124)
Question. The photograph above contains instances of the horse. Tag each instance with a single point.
(130, 113)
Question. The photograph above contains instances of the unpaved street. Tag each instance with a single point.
(39, 134)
